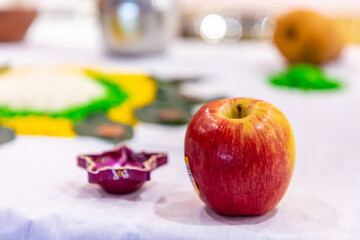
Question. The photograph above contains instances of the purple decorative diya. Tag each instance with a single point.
(121, 170)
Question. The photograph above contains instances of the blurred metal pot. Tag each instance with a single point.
(136, 27)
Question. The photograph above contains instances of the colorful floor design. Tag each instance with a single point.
(39, 100)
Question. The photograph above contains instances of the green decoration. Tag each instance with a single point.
(164, 112)
(171, 107)
(305, 77)
(99, 125)
(6, 134)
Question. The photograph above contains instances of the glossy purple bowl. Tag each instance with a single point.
(121, 170)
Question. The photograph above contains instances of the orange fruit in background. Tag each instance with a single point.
(305, 36)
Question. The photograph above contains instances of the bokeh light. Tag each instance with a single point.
(213, 28)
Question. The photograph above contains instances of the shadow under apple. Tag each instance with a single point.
(294, 214)
(239, 220)
(186, 208)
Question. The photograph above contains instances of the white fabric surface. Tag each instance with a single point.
(44, 195)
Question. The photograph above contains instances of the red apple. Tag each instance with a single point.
(240, 155)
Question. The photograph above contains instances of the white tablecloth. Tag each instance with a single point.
(44, 195)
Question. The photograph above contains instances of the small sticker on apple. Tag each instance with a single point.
(190, 175)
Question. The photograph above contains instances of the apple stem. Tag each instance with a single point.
(239, 108)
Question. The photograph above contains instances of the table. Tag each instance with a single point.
(44, 195)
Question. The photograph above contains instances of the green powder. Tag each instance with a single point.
(305, 77)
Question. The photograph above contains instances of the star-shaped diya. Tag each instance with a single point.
(121, 170)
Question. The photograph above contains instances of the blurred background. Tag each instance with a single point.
(78, 22)
(236, 46)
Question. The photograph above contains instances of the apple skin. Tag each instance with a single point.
(240, 166)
